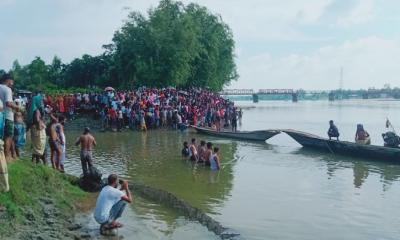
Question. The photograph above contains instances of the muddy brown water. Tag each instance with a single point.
(265, 191)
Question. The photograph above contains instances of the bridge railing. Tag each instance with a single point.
(275, 91)
(237, 92)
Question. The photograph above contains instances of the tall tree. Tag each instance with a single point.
(55, 71)
(176, 45)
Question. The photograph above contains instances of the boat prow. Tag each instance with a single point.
(259, 135)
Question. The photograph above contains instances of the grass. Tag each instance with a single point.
(28, 184)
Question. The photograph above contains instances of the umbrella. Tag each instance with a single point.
(109, 89)
(183, 93)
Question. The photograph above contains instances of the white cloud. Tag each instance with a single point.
(367, 62)
(74, 27)
(4, 3)
(361, 13)
(259, 20)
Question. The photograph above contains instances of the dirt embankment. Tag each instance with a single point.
(41, 204)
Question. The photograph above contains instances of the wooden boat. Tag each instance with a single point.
(260, 135)
(344, 147)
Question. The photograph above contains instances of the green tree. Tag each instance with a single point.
(55, 72)
(176, 45)
(18, 73)
(38, 74)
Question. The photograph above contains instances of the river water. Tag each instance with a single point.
(274, 190)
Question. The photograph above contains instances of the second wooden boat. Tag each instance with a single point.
(344, 147)
(260, 135)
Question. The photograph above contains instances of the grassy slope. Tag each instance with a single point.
(29, 183)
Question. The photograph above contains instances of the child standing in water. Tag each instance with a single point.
(19, 133)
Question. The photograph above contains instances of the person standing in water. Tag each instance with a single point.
(185, 150)
(201, 149)
(193, 151)
(215, 164)
(87, 142)
(208, 154)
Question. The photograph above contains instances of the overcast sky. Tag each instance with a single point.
(279, 43)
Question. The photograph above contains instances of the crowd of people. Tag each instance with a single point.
(150, 108)
(145, 108)
(44, 118)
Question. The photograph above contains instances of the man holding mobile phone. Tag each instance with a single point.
(111, 203)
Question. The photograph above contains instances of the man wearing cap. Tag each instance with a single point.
(6, 96)
(87, 142)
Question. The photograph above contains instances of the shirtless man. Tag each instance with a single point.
(87, 141)
(54, 143)
(201, 150)
(193, 151)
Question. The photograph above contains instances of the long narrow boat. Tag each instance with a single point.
(344, 147)
(260, 135)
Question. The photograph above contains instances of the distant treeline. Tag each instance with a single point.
(175, 45)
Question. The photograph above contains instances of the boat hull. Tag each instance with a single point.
(344, 147)
(261, 135)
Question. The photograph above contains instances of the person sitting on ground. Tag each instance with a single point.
(193, 151)
(201, 150)
(19, 133)
(333, 131)
(362, 136)
(87, 141)
(208, 154)
(214, 160)
(185, 150)
(111, 203)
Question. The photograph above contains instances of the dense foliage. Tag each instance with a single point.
(175, 45)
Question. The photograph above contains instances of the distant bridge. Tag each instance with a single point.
(237, 92)
(242, 92)
(331, 95)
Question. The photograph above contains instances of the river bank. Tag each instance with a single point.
(41, 204)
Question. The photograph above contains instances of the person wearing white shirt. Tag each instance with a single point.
(6, 96)
(111, 203)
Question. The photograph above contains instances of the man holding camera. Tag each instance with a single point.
(111, 203)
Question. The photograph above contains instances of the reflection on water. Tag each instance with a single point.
(388, 172)
(360, 174)
(265, 191)
(154, 158)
